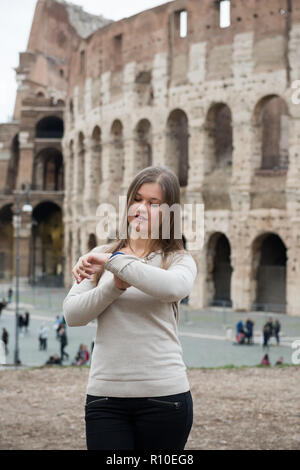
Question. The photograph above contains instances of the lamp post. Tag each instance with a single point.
(26, 208)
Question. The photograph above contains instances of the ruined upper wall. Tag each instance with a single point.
(57, 29)
(141, 37)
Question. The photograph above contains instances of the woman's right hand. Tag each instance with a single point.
(121, 284)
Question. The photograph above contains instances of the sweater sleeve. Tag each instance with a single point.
(168, 285)
(85, 302)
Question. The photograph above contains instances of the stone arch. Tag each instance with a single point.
(218, 138)
(92, 241)
(143, 144)
(219, 270)
(49, 127)
(177, 145)
(271, 130)
(47, 244)
(117, 163)
(97, 157)
(268, 274)
(48, 170)
(6, 242)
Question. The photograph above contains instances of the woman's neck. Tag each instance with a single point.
(139, 246)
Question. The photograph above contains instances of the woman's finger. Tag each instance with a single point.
(80, 274)
(77, 277)
(85, 263)
(87, 270)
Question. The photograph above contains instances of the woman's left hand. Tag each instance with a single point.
(89, 264)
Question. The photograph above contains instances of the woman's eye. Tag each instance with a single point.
(152, 204)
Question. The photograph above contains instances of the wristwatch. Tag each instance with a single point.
(116, 253)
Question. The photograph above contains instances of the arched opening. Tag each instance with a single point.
(117, 164)
(219, 270)
(6, 242)
(143, 144)
(48, 170)
(50, 127)
(177, 146)
(269, 259)
(218, 133)
(47, 245)
(271, 131)
(96, 168)
(92, 241)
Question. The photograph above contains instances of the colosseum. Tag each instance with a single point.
(98, 100)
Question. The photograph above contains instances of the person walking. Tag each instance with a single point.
(267, 333)
(21, 320)
(63, 343)
(276, 329)
(26, 321)
(2, 305)
(249, 330)
(9, 295)
(138, 393)
(5, 336)
(43, 337)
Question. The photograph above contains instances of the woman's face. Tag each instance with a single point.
(145, 209)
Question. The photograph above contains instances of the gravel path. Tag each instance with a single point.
(246, 408)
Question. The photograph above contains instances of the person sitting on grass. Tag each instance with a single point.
(265, 360)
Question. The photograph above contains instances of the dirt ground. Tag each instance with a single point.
(247, 408)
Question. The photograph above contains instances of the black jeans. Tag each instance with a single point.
(161, 422)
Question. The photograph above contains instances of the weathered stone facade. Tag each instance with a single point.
(219, 106)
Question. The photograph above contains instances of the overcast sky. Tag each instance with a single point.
(15, 23)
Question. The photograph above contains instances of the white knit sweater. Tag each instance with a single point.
(137, 352)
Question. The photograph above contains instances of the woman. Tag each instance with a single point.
(138, 394)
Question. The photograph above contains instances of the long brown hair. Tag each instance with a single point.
(169, 184)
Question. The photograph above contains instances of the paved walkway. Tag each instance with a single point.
(207, 336)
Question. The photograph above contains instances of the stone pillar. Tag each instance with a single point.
(25, 224)
(105, 188)
(193, 213)
(293, 209)
(293, 270)
(91, 175)
(242, 166)
(196, 156)
(241, 262)
(26, 160)
(158, 147)
(77, 193)
(129, 163)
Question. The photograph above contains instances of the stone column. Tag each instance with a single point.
(105, 188)
(91, 174)
(158, 147)
(241, 262)
(242, 165)
(77, 190)
(26, 160)
(293, 270)
(25, 225)
(196, 156)
(129, 163)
